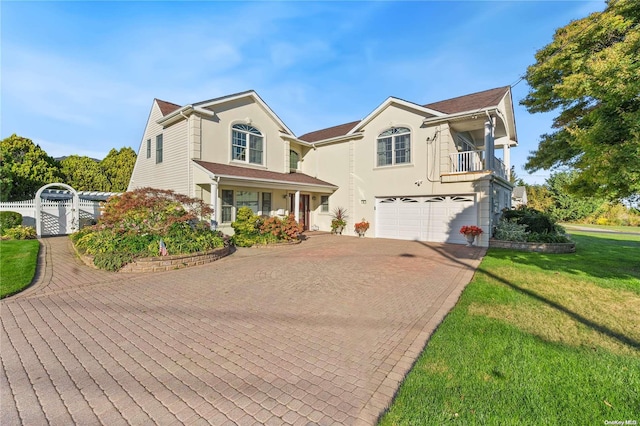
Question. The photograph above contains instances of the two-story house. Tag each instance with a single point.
(416, 172)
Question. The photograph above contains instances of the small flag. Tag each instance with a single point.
(163, 248)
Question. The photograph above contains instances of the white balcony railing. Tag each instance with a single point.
(472, 161)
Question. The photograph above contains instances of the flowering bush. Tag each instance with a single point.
(250, 229)
(471, 230)
(362, 226)
(133, 224)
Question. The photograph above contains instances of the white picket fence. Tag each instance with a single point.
(56, 216)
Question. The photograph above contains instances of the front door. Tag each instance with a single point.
(304, 210)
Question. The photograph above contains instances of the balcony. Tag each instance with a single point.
(473, 162)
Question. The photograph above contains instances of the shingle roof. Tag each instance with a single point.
(470, 102)
(245, 172)
(167, 107)
(328, 133)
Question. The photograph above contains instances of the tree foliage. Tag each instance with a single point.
(590, 75)
(117, 167)
(84, 173)
(24, 168)
(112, 174)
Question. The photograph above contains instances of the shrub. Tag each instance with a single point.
(273, 226)
(112, 261)
(133, 224)
(511, 230)
(149, 210)
(291, 228)
(9, 220)
(537, 237)
(535, 220)
(20, 233)
(246, 227)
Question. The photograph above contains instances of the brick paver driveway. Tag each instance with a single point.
(318, 333)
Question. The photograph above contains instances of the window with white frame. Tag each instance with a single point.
(247, 199)
(394, 146)
(324, 203)
(148, 148)
(247, 144)
(227, 205)
(294, 157)
(266, 203)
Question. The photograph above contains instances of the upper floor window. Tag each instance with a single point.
(148, 148)
(159, 148)
(247, 144)
(394, 146)
(294, 157)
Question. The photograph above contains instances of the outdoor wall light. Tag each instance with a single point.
(363, 201)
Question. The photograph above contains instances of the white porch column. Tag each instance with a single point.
(214, 203)
(296, 207)
(488, 144)
(507, 159)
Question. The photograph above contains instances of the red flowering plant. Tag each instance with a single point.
(362, 226)
(471, 230)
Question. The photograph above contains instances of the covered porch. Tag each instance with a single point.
(227, 188)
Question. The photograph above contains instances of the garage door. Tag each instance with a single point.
(436, 219)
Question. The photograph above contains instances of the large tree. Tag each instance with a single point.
(84, 173)
(24, 168)
(590, 76)
(118, 167)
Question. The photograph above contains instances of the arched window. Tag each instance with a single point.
(394, 146)
(247, 144)
(294, 157)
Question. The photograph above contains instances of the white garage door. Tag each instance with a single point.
(436, 219)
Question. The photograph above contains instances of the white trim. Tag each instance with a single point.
(388, 102)
(248, 148)
(75, 207)
(247, 94)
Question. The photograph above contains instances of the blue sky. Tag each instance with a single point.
(80, 77)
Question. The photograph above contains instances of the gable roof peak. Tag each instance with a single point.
(166, 107)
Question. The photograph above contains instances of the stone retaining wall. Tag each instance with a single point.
(168, 263)
(554, 248)
(165, 263)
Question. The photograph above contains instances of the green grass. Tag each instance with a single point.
(18, 265)
(535, 339)
(634, 229)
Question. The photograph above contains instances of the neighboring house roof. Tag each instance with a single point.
(469, 102)
(167, 107)
(331, 132)
(225, 170)
(519, 192)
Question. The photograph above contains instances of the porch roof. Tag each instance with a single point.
(246, 175)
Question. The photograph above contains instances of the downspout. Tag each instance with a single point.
(189, 189)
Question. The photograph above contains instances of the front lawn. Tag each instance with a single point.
(18, 265)
(535, 339)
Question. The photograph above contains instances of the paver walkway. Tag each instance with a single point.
(317, 333)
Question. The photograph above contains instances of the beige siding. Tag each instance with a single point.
(173, 172)
(352, 165)
(216, 134)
